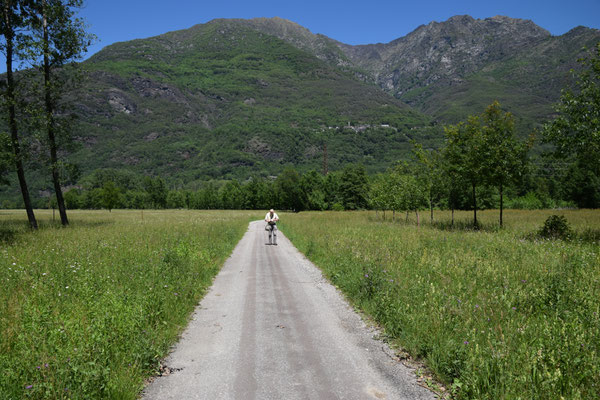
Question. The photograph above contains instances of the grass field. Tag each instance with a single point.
(494, 314)
(89, 311)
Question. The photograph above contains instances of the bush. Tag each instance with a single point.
(337, 207)
(528, 202)
(556, 227)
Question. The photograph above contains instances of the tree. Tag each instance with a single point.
(289, 192)
(258, 194)
(504, 157)
(429, 173)
(414, 197)
(465, 157)
(110, 195)
(379, 191)
(354, 187)
(232, 196)
(575, 132)
(175, 199)
(60, 38)
(73, 199)
(13, 19)
(312, 186)
(156, 189)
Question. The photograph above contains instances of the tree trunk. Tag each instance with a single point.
(12, 119)
(394, 215)
(50, 124)
(452, 223)
(474, 208)
(407, 215)
(418, 222)
(501, 204)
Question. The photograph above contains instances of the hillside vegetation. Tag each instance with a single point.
(233, 98)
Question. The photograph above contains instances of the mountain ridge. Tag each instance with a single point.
(232, 98)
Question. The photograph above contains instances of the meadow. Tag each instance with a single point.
(495, 313)
(89, 311)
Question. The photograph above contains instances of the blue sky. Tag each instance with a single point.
(349, 21)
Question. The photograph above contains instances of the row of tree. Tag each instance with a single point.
(483, 152)
(342, 190)
(46, 37)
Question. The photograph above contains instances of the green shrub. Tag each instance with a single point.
(556, 227)
(337, 207)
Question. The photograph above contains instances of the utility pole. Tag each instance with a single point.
(325, 158)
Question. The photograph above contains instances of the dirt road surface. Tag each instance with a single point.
(271, 327)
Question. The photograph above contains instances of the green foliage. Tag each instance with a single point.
(88, 312)
(289, 192)
(494, 316)
(156, 189)
(576, 130)
(353, 187)
(556, 227)
(110, 195)
(6, 160)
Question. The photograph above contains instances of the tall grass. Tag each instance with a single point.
(494, 315)
(88, 311)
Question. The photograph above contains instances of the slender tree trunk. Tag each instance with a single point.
(407, 215)
(452, 223)
(501, 204)
(12, 118)
(50, 124)
(394, 215)
(474, 208)
(418, 222)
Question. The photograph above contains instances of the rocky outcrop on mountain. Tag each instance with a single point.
(454, 68)
(446, 51)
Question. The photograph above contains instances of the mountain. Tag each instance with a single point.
(233, 98)
(226, 99)
(451, 69)
(455, 68)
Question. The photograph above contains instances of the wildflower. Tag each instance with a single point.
(514, 308)
(466, 342)
(175, 293)
(366, 275)
(28, 386)
(476, 305)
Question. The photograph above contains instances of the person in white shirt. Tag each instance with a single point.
(271, 219)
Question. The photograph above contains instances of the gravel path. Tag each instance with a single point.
(272, 327)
